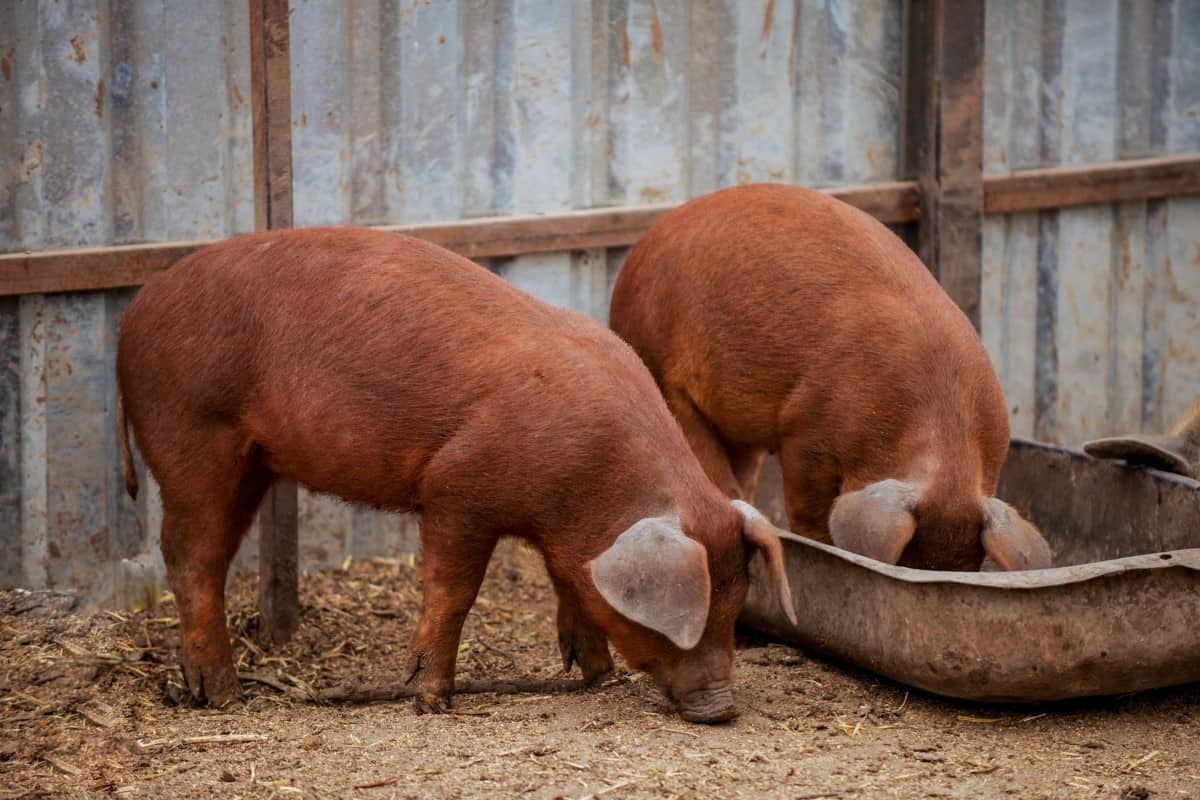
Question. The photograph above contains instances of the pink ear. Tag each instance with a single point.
(656, 576)
(761, 534)
(1169, 453)
(1010, 541)
(876, 521)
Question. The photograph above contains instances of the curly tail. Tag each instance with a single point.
(131, 478)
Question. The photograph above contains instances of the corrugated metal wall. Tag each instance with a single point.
(1092, 314)
(121, 122)
(129, 121)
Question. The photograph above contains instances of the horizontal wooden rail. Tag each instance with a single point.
(1062, 187)
(82, 269)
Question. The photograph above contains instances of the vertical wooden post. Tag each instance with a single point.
(942, 140)
(271, 101)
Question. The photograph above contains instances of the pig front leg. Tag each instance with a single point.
(579, 640)
(455, 563)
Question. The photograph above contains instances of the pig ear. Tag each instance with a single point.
(762, 536)
(656, 576)
(876, 521)
(1010, 542)
(1161, 452)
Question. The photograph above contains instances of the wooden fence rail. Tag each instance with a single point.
(93, 268)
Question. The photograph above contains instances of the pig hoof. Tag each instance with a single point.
(597, 674)
(432, 704)
(596, 664)
(213, 685)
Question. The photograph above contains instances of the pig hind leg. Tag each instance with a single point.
(705, 441)
(746, 462)
(210, 491)
(811, 484)
(455, 562)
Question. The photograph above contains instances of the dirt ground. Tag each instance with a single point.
(90, 706)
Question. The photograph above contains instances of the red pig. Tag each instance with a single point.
(780, 319)
(390, 372)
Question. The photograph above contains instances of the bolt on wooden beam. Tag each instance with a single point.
(271, 104)
(942, 140)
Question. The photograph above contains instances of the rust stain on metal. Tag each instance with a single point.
(656, 34)
(768, 19)
(78, 55)
(99, 99)
(625, 47)
(6, 65)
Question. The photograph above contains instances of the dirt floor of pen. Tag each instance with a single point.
(90, 706)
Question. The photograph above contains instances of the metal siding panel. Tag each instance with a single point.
(12, 173)
(872, 99)
(764, 50)
(589, 162)
(34, 536)
(77, 211)
(479, 27)
(320, 114)
(196, 153)
(708, 27)
(1181, 375)
(541, 117)
(1135, 102)
(849, 57)
(1085, 251)
(11, 546)
(431, 104)
(363, 63)
(653, 99)
(1012, 95)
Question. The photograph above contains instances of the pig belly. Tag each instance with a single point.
(340, 451)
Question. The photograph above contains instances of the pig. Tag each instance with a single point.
(779, 319)
(1177, 450)
(389, 372)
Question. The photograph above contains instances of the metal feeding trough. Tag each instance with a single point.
(1121, 613)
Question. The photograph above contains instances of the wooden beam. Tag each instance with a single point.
(1062, 187)
(84, 269)
(942, 140)
(271, 105)
(489, 237)
(87, 268)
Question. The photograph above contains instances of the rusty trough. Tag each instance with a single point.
(1120, 615)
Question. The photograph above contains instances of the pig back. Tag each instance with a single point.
(355, 359)
(779, 309)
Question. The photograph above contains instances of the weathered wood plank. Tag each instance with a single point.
(270, 81)
(1092, 184)
(81, 269)
(943, 141)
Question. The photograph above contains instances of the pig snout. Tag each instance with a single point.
(702, 686)
(708, 705)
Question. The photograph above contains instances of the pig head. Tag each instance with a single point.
(882, 519)
(656, 577)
